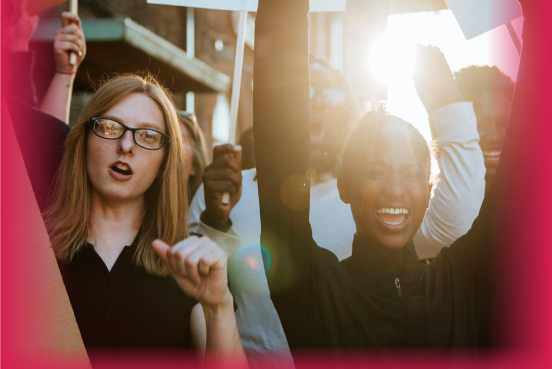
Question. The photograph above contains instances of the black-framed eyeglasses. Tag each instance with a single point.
(146, 138)
(332, 96)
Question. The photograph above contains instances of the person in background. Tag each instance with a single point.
(195, 150)
(456, 202)
(40, 133)
(119, 202)
(68, 39)
(17, 29)
(491, 92)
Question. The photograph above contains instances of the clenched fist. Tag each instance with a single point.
(69, 38)
(433, 79)
(223, 175)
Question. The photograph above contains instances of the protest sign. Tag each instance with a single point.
(250, 5)
(476, 17)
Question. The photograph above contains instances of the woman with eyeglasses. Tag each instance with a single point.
(120, 200)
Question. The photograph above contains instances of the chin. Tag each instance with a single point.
(394, 242)
(118, 195)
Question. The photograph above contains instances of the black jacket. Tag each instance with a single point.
(356, 303)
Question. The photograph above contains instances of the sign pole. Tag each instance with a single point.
(236, 85)
(514, 37)
(73, 8)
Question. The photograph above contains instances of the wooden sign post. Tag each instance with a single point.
(73, 8)
(236, 86)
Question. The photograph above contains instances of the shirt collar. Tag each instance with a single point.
(367, 258)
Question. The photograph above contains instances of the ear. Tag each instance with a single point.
(343, 189)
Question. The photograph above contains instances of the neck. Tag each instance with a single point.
(114, 224)
(382, 250)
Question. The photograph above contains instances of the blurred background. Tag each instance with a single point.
(192, 51)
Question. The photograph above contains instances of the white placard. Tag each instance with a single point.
(476, 17)
(251, 5)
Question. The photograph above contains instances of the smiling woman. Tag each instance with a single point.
(389, 190)
(381, 297)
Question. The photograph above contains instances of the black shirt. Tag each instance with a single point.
(126, 307)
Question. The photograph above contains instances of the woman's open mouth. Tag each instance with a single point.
(491, 157)
(393, 217)
(121, 171)
(122, 168)
(492, 154)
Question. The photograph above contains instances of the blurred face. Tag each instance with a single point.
(119, 170)
(188, 151)
(389, 191)
(492, 112)
(329, 114)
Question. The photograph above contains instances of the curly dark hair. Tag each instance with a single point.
(475, 79)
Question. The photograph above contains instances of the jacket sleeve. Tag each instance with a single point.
(281, 124)
(461, 189)
(20, 80)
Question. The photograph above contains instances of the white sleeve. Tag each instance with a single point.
(460, 192)
(196, 208)
(228, 241)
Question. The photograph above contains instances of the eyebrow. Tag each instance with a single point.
(140, 125)
(384, 164)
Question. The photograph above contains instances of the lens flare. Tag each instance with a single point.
(269, 260)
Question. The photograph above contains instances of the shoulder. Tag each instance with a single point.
(37, 128)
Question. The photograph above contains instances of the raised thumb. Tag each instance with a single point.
(161, 248)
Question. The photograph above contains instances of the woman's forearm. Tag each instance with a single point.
(223, 343)
(57, 100)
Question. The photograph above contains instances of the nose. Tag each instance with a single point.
(126, 144)
(318, 102)
(495, 135)
(394, 186)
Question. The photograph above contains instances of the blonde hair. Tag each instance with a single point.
(166, 206)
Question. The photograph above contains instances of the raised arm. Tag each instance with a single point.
(68, 38)
(19, 31)
(281, 124)
(461, 188)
